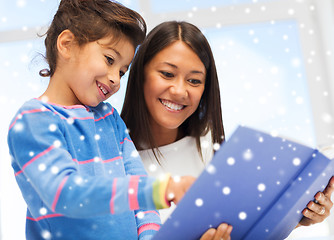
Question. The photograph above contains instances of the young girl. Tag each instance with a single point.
(73, 159)
(173, 111)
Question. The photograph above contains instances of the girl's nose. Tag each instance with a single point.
(114, 78)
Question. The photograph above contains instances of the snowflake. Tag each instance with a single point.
(242, 215)
(152, 168)
(41, 167)
(211, 169)
(43, 211)
(46, 234)
(226, 190)
(134, 153)
(327, 118)
(230, 161)
(261, 187)
(18, 127)
(140, 215)
(177, 178)
(216, 146)
(131, 191)
(55, 170)
(52, 127)
(57, 143)
(248, 155)
(199, 202)
(78, 180)
(296, 161)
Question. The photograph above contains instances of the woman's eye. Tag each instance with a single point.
(167, 74)
(195, 81)
(121, 73)
(109, 60)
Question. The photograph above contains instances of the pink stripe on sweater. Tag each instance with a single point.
(83, 162)
(108, 114)
(77, 118)
(45, 217)
(27, 112)
(126, 139)
(60, 188)
(113, 193)
(112, 159)
(149, 226)
(93, 160)
(34, 158)
(133, 193)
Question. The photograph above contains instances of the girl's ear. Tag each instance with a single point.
(65, 43)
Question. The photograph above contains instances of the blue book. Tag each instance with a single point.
(255, 182)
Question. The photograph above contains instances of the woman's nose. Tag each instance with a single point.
(179, 88)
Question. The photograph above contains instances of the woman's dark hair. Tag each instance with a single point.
(91, 20)
(208, 115)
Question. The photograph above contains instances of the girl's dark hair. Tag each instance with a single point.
(91, 20)
(208, 115)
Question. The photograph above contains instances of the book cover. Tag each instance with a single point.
(255, 182)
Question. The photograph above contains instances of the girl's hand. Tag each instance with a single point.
(317, 211)
(177, 186)
(222, 232)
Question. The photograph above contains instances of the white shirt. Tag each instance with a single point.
(179, 158)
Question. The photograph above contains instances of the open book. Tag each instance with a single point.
(257, 183)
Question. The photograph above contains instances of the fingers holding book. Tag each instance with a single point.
(222, 232)
(319, 209)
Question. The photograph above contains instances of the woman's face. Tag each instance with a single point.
(173, 87)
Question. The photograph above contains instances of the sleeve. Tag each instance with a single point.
(38, 147)
(148, 222)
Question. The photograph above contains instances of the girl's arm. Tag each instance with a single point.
(44, 169)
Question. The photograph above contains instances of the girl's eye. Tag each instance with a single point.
(109, 60)
(195, 81)
(167, 74)
(121, 73)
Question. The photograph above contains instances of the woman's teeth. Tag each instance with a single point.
(172, 105)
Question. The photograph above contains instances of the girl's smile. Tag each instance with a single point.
(91, 73)
(104, 90)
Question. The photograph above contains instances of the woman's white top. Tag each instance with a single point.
(179, 158)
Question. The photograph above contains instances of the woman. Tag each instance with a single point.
(172, 107)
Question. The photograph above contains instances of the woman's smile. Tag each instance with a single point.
(172, 106)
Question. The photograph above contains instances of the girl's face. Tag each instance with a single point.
(173, 87)
(94, 70)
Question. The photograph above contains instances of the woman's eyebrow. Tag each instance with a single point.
(193, 71)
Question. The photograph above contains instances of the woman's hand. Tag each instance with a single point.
(222, 232)
(317, 211)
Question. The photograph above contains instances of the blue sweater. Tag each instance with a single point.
(80, 174)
